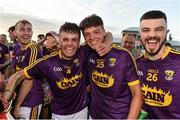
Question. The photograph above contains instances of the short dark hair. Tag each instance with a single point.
(11, 29)
(40, 35)
(70, 28)
(154, 14)
(91, 21)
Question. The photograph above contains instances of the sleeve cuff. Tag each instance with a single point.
(26, 74)
(133, 83)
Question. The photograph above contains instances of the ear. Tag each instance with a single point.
(15, 33)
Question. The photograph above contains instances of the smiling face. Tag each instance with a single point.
(128, 42)
(24, 33)
(94, 35)
(153, 35)
(69, 43)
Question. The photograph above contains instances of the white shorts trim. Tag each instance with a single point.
(81, 115)
(30, 113)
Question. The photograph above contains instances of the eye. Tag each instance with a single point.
(145, 30)
(160, 29)
(75, 40)
(65, 39)
(86, 35)
(29, 29)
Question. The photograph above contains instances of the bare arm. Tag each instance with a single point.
(41, 42)
(13, 81)
(105, 47)
(23, 92)
(136, 102)
(1, 85)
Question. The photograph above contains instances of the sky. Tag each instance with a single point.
(49, 15)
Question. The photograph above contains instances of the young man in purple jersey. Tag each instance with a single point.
(66, 75)
(114, 83)
(27, 107)
(4, 57)
(158, 68)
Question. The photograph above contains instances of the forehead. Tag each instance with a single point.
(23, 25)
(153, 23)
(91, 29)
(128, 38)
(69, 35)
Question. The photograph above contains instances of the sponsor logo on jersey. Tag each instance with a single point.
(169, 74)
(102, 79)
(57, 69)
(92, 61)
(66, 83)
(156, 97)
(140, 73)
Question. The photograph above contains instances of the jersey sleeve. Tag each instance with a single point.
(131, 70)
(6, 50)
(33, 70)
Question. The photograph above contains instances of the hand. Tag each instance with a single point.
(102, 49)
(16, 111)
(5, 101)
(105, 47)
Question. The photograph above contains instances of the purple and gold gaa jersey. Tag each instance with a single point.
(3, 51)
(161, 85)
(24, 58)
(110, 78)
(66, 79)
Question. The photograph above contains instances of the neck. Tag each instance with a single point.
(23, 47)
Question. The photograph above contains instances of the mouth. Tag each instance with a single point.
(93, 44)
(152, 43)
(69, 50)
(25, 37)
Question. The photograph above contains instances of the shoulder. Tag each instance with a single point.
(174, 54)
(3, 45)
(175, 51)
(139, 58)
(32, 47)
(121, 51)
(50, 56)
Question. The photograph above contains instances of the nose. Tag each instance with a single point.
(69, 42)
(152, 33)
(91, 36)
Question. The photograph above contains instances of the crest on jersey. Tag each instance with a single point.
(112, 61)
(76, 62)
(169, 74)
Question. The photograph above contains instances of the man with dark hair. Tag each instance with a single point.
(114, 83)
(158, 68)
(66, 74)
(12, 34)
(40, 37)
